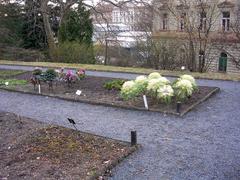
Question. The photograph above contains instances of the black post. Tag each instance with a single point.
(179, 107)
(133, 138)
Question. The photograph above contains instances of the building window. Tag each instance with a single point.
(203, 21)
(165, 22)
(222, 64)
(182, 22)
(226, 21)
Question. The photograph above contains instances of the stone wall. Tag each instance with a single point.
(232, 49)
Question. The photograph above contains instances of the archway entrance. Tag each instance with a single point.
(222, 64)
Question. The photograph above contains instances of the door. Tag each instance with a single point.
(222, 65)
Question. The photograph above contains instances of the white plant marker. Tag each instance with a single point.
(145, 101)
(78, 92)
(6, 83)
(39, 89)
(183, 68)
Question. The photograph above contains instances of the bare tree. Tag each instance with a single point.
(196, 20)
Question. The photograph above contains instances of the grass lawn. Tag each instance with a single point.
(9, 73)
(12, 82)
(209, 75)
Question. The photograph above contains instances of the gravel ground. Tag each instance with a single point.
(204, 144)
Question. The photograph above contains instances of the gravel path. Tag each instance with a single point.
(204, 144)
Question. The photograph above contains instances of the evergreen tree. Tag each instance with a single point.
(77, 26)
(33, 29)
(10, 23)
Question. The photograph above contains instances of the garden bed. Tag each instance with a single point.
(93, 92)
(33, 150)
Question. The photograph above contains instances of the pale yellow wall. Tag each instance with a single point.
(173, 14)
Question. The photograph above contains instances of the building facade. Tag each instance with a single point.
(131, 14)
(208, 25)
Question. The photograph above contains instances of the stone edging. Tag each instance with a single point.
(216, 90)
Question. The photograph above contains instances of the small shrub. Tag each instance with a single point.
(74, 52)
(114, 84)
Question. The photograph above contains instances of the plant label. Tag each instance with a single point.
(39, 89)
(183, 68)
(78, 92)
(145, 101)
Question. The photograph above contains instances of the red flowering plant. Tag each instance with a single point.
(70, 77)
(80, 74)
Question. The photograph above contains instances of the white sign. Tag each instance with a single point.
(6, 83)
(145, 101)
(78, 92)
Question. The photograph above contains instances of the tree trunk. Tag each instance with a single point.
(47, 27)
(192, 57)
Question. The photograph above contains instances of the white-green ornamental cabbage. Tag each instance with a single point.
(165, 93)
(154, 75)
(164, 80)
(141, 84)
(155, 84)
(129, 90)
(190, 78)
(183, 89)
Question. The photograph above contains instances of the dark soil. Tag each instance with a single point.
(94, 92)
(32, 150)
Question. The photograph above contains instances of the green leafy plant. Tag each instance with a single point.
(49, 75)
(114, 84)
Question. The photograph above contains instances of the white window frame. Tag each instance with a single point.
(225, 22)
